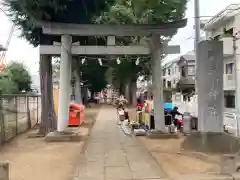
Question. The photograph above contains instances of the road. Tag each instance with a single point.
(112, 155)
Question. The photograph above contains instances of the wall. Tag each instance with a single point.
(16, 113)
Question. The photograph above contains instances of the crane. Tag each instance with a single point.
(2, 57)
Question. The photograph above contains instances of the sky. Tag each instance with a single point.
(20, 50)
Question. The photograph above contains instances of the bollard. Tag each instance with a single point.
(187, 123)
(4, 171)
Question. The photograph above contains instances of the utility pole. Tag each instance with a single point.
(197, 35)
(197, 55)
(237, 79)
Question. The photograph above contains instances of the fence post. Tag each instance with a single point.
(37, 110)
(16, 102)
(2, 121)
(28, 114)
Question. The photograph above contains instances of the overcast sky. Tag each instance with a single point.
(20, 50)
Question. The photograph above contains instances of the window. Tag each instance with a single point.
(169, 71)
(229, 68)
(164, 72)
(191, 70)
(169, 84)
(164, 82)
(229, 100)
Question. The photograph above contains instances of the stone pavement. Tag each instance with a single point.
(112, 155)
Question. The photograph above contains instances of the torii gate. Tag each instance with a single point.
(67, 49)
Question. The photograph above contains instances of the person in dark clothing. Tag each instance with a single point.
(175, 112)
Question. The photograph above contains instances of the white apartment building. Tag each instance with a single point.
(223, 27)
(170, 75)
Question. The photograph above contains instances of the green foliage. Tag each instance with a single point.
(143, 12)
(26, 13)
(18, 75)
(94, 75)
(6, 85)
(139, 12)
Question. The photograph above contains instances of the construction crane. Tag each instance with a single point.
(2, 57)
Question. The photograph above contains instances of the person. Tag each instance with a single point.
(175, 112)
(139, 104)
(122, 97)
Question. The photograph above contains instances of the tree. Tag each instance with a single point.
(19, 75)
(140, 12)
(14, 79)
(26, 13)
(6, 85)
(94, 74)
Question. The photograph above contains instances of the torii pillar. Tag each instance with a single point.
(157, 50)
(65, 87)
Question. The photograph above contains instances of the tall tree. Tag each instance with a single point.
(94, 74)
(19, 75)
(25, 14)
(15, 78)
(140, 12)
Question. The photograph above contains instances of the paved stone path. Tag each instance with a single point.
(112, 155)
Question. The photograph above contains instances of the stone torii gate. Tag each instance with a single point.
(66, 49)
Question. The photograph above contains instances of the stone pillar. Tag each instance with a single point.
(157, 84)
(65, 87)
(210, 86)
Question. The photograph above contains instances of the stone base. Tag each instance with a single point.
(211, 143)
(156, 134)
(4, 171)
(62, 137)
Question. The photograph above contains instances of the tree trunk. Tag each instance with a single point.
(133, 92)
(48, 116)
(127, 90)
(121, 89)
(85, 95)
(78, 94)
(77, 84)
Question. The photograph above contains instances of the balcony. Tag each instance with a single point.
(227, 46)
(228, 82)
(187, 82)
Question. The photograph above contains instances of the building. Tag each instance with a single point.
(180, 73)
(170, 75)
(224, 26)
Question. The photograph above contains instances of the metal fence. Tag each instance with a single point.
(18, 113)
